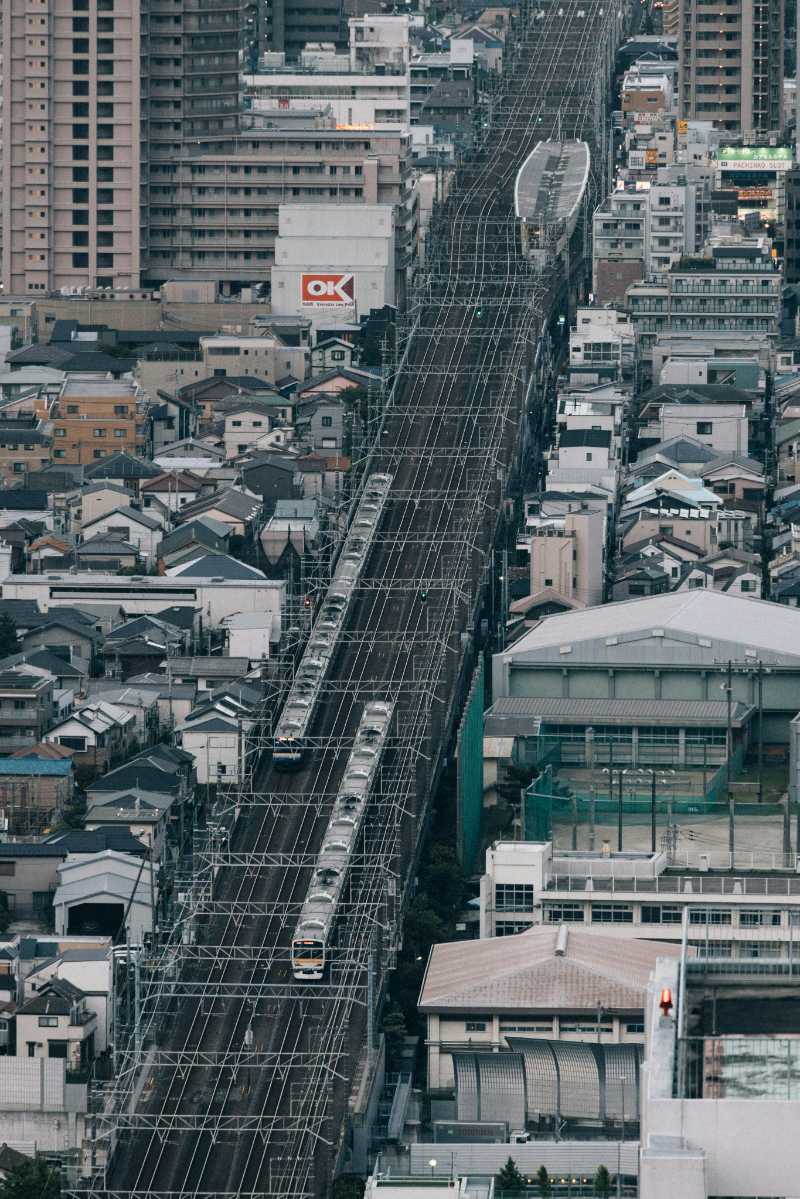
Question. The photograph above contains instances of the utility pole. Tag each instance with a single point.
(728, 748)
(653, 811)
(620, 781)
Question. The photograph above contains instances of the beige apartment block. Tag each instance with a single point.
(70, 151)
(730, 63)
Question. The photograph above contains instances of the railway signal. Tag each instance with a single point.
(423, 594)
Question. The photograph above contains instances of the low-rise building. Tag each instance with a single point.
(559, 983)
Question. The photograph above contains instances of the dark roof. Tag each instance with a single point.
(122, 466)
(24, 849)
(107, 545)
(10, 1159)
(698, 393)
(17, 432)
(183, 618)
(56, 998)
(21, 498)
(80, 841)
(20, 611)
(588, 437)
(194, 532)
(136, 774)
(62, 478)
(222, 566)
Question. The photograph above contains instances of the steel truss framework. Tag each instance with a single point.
(222, 1046)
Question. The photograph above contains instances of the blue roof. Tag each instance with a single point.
(59, 767)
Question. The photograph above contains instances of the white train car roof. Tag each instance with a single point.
(333, 861)
(550, 183)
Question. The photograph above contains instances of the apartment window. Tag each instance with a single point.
(98, 432)
(105, 87)
(98, 454)
(513, 897)
(80, 174)
(80, 195)
(634, 1026)
(105, 110)
(105, 45)
(105, 239)
(656, 913)
(475, 1026)
(704, 428)
(80, 260)
(611, 913)
(80, 24)
(80, 66)
(119, 433)
(120, 410)
(80, 45)
(80, 238)
(80, 153)
(48, 1022)
(105, 24)
(59, 453)
(106, 153)
(105, 132)
(80, 110)
(563, 913)
(105, 260)
(80, 132)
(105, 195)
(104, 218)
(59, 432)
(80, 87)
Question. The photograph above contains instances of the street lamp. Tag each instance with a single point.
(432, 1163)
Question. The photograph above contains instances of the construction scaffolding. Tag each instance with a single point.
(232, 1077)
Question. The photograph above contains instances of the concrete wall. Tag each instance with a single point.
(146, 314)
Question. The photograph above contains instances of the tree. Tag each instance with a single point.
(9, 642)
(348, 1186)
(543, 1183)
(602, 1183)
(394, 1030)
(509, 1181)
(32, 1180)
(423, 926)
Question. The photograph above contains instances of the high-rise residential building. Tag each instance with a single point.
(95, 93)
(70, 153)
(731, 63)
(289, 24)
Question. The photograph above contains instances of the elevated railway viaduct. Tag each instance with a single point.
(237, 1080)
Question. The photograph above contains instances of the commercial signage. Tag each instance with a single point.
(755, 158)
(327, 291)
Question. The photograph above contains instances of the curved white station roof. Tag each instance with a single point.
(551, 181)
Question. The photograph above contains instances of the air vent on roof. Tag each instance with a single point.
(565, 649)
(217, 579)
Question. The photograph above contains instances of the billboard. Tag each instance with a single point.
(327, 290)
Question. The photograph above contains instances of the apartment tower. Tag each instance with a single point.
(95, 93)
(730, 56)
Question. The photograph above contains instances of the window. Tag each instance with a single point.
(510, 928)
(80, 132)
(105, 195)
(80, 110)
(704, 428)
(98, 432)
(327, 422)
(48, 1022)
(513, 897)
(80, 174)
(337, 355)
(475, 1025)
(611, 913)
(709, 916)
(236, 424)
(119, 433)
(80, 238)
(566, 913)
(79, 260)
(59, 432)
(660, 914)
(634, 1026)
(120, 410)
(80, 195)
(8, 869)
(759, 917)
(106, 153)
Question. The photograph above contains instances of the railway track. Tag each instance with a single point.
(247, 1084)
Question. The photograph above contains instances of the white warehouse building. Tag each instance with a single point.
(345, 267)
